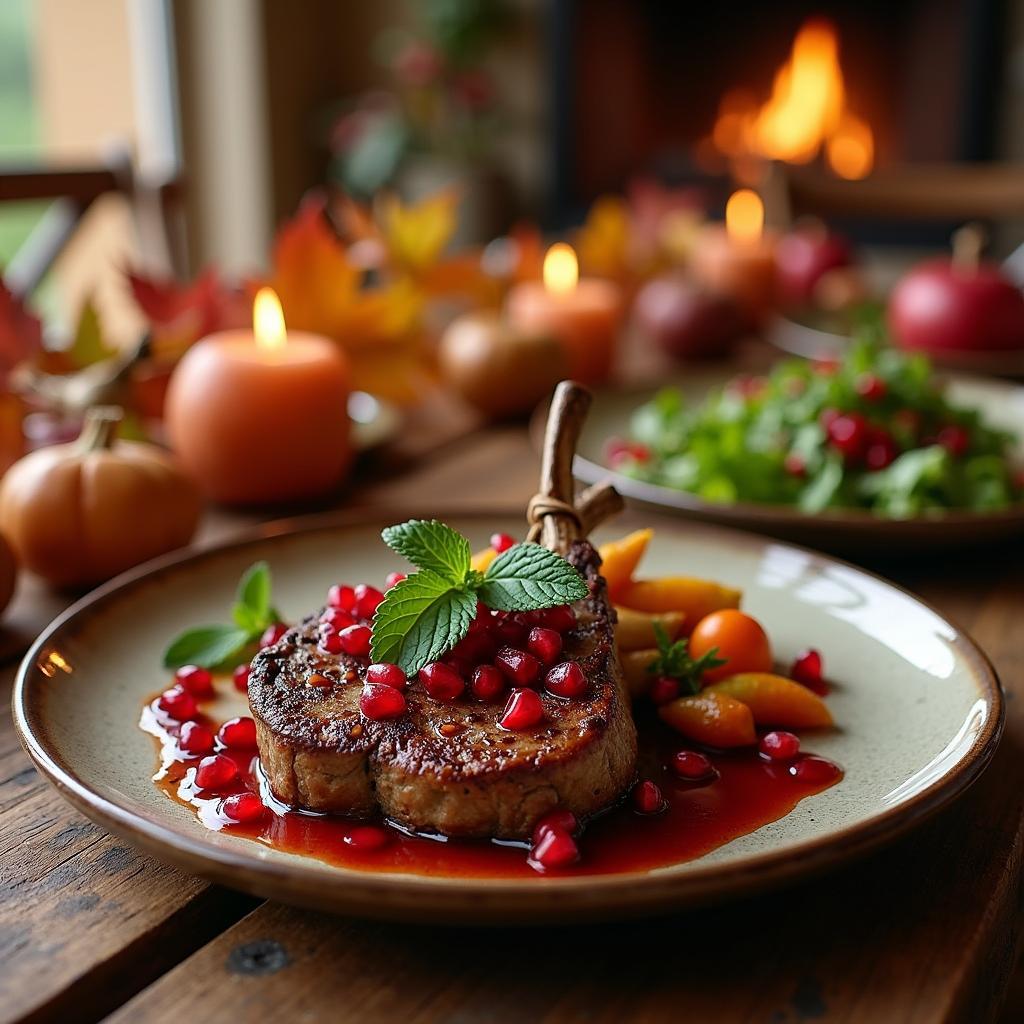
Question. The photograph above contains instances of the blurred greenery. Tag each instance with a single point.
(19, 125)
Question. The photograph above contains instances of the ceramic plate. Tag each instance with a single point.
(919, 707)
(844, 531)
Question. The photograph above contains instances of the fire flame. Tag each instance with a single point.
(268, 320)
(561, 268)
(806, 112)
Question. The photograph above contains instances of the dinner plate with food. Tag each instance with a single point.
(868, 452)
(451, 717)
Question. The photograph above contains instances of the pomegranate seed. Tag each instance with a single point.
(195, 738)
(692, 766)
(520, 668)
(618, 451)
(566, 680)
(240, 677)
(483, 620)
(392, 579)
(828, 417)
(242, 807)
(813, 770)
(272, 634)
(474, 648)
(238, 733)
(956, 440)
(559, 820)
(556, 849)
(561, 618)
(871, 387)
(178, 703)
(487, 683)
(664, 689)
(848, 434)
(647, 798)
(378, 701)
(386, 674)
(808, 670)
(510, 631)
(780, 745)
(880, 453)
(337, 619)
(330, 643)
(341, 596)
(529, 619)
(523, 710)
(502, 542)
(216, 772)
(544, 644)
(794, 465)
(198, 681)
(441, 681)
(366, 837)
(355, 640)
(367, 599)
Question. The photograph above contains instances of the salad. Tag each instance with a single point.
(874, 431)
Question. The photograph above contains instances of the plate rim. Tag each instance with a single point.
(404, 896)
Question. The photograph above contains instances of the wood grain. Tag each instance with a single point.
(922, 932)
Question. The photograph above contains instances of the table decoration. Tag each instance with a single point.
(500, 371)
(583, 313)
(737, 259)
(79, 513)
(260, 415)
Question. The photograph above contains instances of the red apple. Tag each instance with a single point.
(938, 307)
(685, 320)
(803, 256)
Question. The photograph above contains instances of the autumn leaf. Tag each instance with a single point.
(89, 345)
(417, 234)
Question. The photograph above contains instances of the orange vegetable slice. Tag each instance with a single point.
(714, 719)
(634, 670)
(695, 598)
(635, 630)
(482, 559)
(775, 700)
(619, 559)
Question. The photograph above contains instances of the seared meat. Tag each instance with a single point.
(445, 767)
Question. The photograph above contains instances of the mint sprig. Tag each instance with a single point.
(430, 611)
(213, 646)
(674, 660)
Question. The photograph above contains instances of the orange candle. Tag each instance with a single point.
(584, 315)
(261, 416)
(738, 259)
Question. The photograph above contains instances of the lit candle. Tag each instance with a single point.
(737, 259)
(583, 314)
(261, 416)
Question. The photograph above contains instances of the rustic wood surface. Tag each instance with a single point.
(923, 931)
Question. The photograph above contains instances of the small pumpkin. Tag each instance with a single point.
(77, 514)
(8, 574)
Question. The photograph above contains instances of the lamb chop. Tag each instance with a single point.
(451, 767)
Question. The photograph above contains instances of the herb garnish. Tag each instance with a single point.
(213, 646)
(674, 660)
(431, 610)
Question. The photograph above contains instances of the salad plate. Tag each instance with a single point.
(858, 531)
(918, 707)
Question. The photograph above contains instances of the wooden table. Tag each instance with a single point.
(923, 931)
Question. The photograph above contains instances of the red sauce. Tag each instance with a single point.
(747, 792)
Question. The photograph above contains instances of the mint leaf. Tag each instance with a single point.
(674, 660)
(254, 590)
(207, 646)
(421, 618)
(432, 546)
(528, 576)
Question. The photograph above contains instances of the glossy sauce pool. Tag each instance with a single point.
(747, 792)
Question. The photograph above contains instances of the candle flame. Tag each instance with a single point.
(851, 151)
(268, 320)
(744, 216)
(561, 269)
